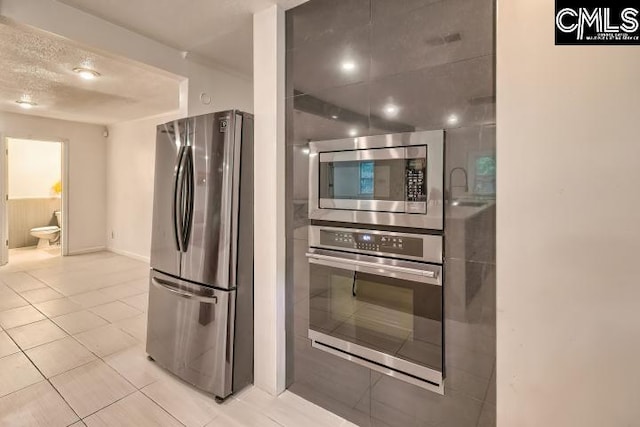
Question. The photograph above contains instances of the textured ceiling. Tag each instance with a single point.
(39, 64)
(218, 30)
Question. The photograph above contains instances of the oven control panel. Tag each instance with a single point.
(360, 241)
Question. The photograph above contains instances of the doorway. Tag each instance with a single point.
(34, 200)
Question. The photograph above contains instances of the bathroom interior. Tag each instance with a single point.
(34, 204)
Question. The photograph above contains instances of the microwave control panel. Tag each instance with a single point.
(369, 242)
(416, 182)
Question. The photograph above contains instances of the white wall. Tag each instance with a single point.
(126, 180)
(131, 157)
(86, 188)
(269, 178)
(226, 91)
(34, 168)
(131, 145)
(130, 168)
(568, 226)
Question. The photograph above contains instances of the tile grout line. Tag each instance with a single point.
(74, 336)
(34, 277)
(136, 388)
(260, 411)
(486, 392)
(30, 323)
(162, 407)
(111, 322)
(45, 378)
(97, 357)
(129, 305)
(38, 369)
(110, 404)
(103, 360)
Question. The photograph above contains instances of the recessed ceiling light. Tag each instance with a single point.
(391, 110)
(453, 119)
(348, 66)
(26, 104)
(86, 73)
(353, 132)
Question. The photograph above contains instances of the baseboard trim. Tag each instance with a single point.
(87, 250)
(129, 254)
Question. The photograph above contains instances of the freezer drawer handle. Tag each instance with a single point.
(167, 286)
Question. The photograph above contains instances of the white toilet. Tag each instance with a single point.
(49, 234)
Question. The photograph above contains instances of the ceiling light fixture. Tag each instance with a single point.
(348, 66)
(391, 110)
(453, 120)
(86, 73)
(26, 103)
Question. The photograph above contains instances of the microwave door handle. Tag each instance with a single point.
(330, 179)
(426, 276)
(362, 155)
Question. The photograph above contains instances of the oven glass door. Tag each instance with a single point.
(381, 180)
(396, 316)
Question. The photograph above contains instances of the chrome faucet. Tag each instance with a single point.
(466, 180)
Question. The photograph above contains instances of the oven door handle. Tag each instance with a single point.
(413, 274)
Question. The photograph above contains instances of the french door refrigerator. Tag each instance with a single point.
(200, 317)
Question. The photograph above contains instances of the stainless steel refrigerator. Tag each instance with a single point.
(200, 324)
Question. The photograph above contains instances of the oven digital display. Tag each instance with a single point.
(366, 237)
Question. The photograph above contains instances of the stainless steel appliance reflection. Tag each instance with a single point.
(200, 324)
(376, 299)
(394, 180)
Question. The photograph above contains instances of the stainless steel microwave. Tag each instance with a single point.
(392, 180)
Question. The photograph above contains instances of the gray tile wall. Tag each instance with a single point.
(435, 61)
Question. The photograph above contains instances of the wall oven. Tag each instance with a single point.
(376, 299)
(394, 180)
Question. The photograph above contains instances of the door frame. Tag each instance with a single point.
(4, 221)
(4, 193)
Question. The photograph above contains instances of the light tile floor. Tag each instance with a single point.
(72, 333)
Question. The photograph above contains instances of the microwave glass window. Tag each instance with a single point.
(366, 178)
(363, 180)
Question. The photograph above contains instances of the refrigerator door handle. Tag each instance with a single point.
(188, 196)
(159, 283)
(178, 196)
